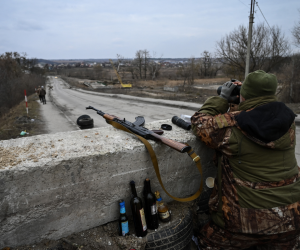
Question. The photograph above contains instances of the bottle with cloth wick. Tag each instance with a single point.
(163, 210)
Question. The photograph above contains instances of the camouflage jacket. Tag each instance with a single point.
(257, 189)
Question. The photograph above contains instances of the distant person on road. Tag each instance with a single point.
(256, 197)
(43, 94)
(39, 93)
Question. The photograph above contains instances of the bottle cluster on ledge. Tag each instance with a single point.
(146, 216)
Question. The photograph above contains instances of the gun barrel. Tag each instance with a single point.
(99, 112)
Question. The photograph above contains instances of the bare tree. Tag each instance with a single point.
(208, 67)
(269, 48)
(138, 61)
(154, 67)
(188, 71)
(183, 72)
(146, 56)
(290, 86)
(296, 33)
(141, 62)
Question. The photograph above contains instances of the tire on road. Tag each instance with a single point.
(87, 126)
(85, 122)
(82, 117)
(177, 236)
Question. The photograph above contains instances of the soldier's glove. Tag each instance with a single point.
(227, 89)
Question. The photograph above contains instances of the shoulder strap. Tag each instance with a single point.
(191, 153)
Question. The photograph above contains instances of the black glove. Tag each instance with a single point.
(227, 89)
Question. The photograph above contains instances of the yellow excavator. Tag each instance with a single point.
(126, 85)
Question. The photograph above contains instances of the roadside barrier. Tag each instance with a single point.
(57, 184)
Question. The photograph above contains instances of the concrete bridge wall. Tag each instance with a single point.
(54, 185)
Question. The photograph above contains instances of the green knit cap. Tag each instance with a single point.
(259, 83)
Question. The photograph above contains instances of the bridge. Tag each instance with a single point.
(54, 185)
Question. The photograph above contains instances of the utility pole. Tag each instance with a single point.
(251, 18)
(291, 84)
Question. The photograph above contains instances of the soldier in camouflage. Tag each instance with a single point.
(256, 197)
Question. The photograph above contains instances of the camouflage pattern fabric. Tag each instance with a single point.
(258, 221)
(215, 132)
(256, 196)
(212, 237)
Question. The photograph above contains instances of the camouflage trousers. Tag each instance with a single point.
(212, 237)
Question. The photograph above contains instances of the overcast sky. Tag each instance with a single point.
(73, 29)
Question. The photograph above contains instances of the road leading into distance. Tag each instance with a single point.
(65, 105)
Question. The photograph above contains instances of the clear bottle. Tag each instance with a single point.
(138, 213)
(123, 220)
(150, 206)
(163, 211)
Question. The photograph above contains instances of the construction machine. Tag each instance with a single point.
(124, 85)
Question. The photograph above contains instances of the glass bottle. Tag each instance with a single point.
(150, 206)
(138, 213)
(123, 220)
(163, 211)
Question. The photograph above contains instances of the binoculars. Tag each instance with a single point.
(235, 92)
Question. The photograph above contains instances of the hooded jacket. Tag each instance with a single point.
(257, 189)
(43, 92)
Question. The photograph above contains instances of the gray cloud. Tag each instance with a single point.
(28, 26)
(98, 29)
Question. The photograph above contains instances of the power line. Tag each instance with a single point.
(263, 14)
(277, 38)
(243, 3)
(257, 16)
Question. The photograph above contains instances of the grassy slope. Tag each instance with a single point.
(9, 129)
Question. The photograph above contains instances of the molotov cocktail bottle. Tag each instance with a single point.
(123, 220)
(150, 206)
(138, 213)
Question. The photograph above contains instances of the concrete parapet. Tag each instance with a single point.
(54, 185)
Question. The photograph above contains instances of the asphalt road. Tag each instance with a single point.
(65, 105)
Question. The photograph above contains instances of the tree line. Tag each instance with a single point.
(270, 51)
(17, 73)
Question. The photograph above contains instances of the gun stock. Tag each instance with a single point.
(180, 147)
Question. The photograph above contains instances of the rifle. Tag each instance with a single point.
(144, 134)
(138, 129)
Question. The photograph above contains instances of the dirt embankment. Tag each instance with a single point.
(17, 120)
(155, 89)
